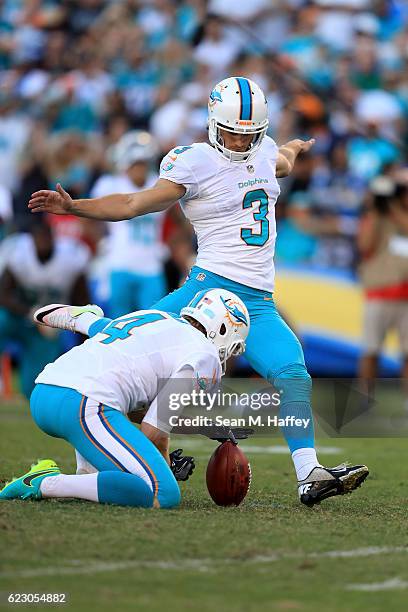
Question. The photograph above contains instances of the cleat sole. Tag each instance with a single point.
(354, 480)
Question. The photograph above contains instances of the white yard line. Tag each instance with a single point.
(283, 450)
(388, 585)
(278, 449)
(78, 567)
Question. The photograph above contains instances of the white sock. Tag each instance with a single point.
(304, 459)
(83, 466)
(83, 486)
(84, 321)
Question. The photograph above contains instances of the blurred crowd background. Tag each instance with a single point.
(76, 76)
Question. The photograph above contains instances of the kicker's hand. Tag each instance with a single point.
(301, 146)
(182, 467)
(58, 202)
(306, 145)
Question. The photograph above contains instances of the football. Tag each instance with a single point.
(228, 475)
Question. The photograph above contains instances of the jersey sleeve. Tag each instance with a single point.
(175, 167)
(197, 372)
(205, 368)
(159, 412)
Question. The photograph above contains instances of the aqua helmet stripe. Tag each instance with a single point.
(197, 298)
(246, 99)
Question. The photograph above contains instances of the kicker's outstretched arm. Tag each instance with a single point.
(115, 207)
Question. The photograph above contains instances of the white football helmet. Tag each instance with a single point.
(225, 319)
(135, 146)
(237, 105)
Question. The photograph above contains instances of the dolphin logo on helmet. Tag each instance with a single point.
(224, 318)
(215, 96)
(233, 309)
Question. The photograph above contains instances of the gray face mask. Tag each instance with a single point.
(236, 156)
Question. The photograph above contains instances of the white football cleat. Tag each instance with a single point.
(325, 482)
(64, 316)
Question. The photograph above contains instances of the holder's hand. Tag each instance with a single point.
(181, 466)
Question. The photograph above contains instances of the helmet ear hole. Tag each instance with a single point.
(223, 330)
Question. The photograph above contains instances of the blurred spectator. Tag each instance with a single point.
(38, 270)
(369, 155)
(71, 160)
(295, 243)
(337, 194)
(215, 49)
(92, 84)
(182, 256)
(134, 251)
(320, 222)
(6, 209)
(240, 12)
(383, 245)
(83, 13)
(14, 134)
(302, 43)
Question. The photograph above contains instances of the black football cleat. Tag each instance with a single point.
(326, 482)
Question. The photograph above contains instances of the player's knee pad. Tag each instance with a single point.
(169, 492)
(294, 383)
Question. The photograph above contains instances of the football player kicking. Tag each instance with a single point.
(228, 189)
(132, 361)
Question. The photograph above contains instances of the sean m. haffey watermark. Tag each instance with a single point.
(219, 401)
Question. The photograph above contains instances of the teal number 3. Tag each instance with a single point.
(120, 329)
(248, 235)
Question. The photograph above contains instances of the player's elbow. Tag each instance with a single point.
(283, 168)
(130, 210)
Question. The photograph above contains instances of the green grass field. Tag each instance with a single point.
(268, 554)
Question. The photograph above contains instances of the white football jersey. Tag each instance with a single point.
(49, 281)
(232, 209)
(126, 364)
(133, 245)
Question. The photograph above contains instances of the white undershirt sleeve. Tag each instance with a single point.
(160, 411)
